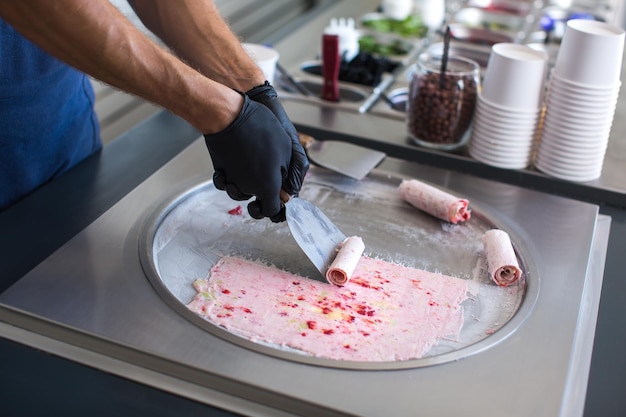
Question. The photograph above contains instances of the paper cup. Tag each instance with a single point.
(511, 137)
(571, 101)
(579, 119)
(572, 173)
(500, 146)
(583, 89)
(579, 129)
(578, 136)
(397, 9)
(265, 57)
(519, 156)
(515, 76)
(590, 53)
(567, 142)
(510, 121)
(496, 108)
(507, 162)
(559, 151)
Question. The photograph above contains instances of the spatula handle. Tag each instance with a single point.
(305, 140)
(284, 196)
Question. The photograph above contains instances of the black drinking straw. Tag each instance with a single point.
(444, 58)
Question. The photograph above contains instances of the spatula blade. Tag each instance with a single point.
(345, 158)
(317, 236)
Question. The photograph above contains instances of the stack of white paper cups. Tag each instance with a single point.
(580, 105)
(508, 109)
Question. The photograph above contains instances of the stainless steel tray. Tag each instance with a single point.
(91, 302)
(187, 234)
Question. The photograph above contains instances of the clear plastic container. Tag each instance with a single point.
(440, 106)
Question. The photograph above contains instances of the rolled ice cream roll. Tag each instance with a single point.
(348, 256)
(502, 263)
(434, 201)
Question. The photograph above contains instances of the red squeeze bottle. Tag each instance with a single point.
(330, 67)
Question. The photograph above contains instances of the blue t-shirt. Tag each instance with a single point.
(47, 119)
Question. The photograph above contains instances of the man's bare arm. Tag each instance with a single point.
(94, 37)
(196, 32)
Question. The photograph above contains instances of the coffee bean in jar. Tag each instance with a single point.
(441, 107)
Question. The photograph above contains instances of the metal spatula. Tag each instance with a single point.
(316, 235)
(344, 158)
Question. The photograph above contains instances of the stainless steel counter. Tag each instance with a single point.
(91, 302)
(63, 222)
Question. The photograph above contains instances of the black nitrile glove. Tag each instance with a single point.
(252, 157)
(266, 95)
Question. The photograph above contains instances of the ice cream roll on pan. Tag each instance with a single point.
(502, 263)
(434, 201)
(348, 256)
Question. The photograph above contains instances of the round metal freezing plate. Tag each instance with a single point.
(187, 234)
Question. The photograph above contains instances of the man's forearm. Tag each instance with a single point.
(95, 38)
(196, 32)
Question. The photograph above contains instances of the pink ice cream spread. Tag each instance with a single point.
(434, 201)
(386, 312)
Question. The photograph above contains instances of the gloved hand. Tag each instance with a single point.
(252, 157)
(266, 95)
